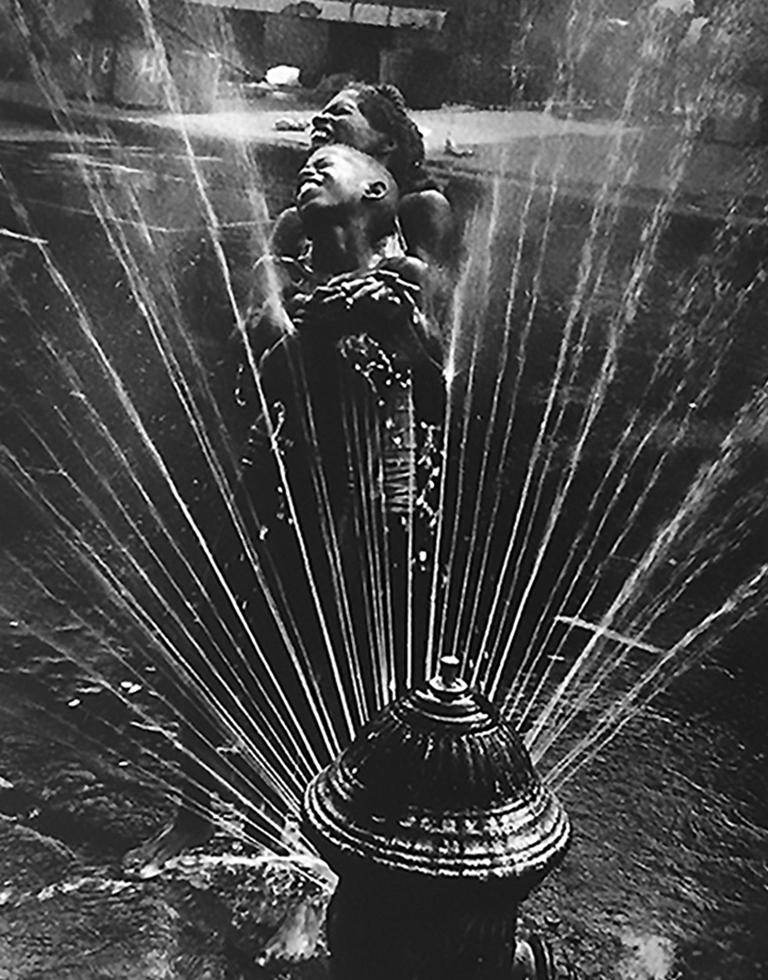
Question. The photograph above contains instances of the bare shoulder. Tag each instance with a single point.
(427, 220)
(287, 234)
(275, 276)
(409, 267)
(428, 202)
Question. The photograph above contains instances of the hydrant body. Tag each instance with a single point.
(438, 828)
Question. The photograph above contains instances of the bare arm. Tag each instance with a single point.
(287, 235)
(428, 225)
(268, 321)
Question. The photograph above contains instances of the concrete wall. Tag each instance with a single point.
(483, 33)
(298, 41)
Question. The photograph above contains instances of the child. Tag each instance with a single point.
(354, 282)
(343, 383)
(347, 203)
(374, 120)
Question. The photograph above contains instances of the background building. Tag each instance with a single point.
(434, 50)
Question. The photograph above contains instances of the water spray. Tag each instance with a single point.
(438, 827)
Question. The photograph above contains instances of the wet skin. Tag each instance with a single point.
(329, 178)
(425, 216)
(342, 121)
(335, 181)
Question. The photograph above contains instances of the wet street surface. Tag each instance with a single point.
(665, 879)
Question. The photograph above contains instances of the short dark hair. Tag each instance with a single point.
(385, 109)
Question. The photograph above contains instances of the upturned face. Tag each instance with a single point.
(341, 121)
(331, 178)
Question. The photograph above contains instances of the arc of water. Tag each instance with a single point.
(181, 387)
(483, 273)
(717, 539)
(270, 829)
(704, 100)
(753, 593)
(585, 273)
(678, 438)
(506, 440)
(226, 497)
(128, 469)
(320, 485)
(705, 485)
(294, 734)
(620, 323)
(213, 227)
(271, 823)
(605, 501)
(522, 347)
(117, 588)
(626, 315)
(694, 567)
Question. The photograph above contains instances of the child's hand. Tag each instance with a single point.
(379, 286)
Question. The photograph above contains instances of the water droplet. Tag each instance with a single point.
(90, 689)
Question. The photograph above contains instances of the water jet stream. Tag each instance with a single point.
(474, 607)
(708, 481)
(620, 323)
(118, 591)
(56, 101)
(294, 733)
(584, 277)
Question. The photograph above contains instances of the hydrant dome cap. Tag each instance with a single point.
(439, 784)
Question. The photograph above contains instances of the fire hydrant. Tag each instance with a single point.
(438, 828)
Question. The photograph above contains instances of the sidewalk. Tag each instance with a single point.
(520, 145)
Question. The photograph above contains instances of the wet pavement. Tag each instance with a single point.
(666, 876)
(462, 140)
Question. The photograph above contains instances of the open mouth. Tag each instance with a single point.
(320, 136)
(307, 190)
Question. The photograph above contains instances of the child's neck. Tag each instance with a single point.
(341, 248)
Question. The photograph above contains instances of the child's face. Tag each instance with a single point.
(341, 121)
(331, 178)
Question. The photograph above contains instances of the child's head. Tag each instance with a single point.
(339, 185)
(375, 120)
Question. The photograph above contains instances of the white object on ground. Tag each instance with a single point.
(282, 75)
(676, 6)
